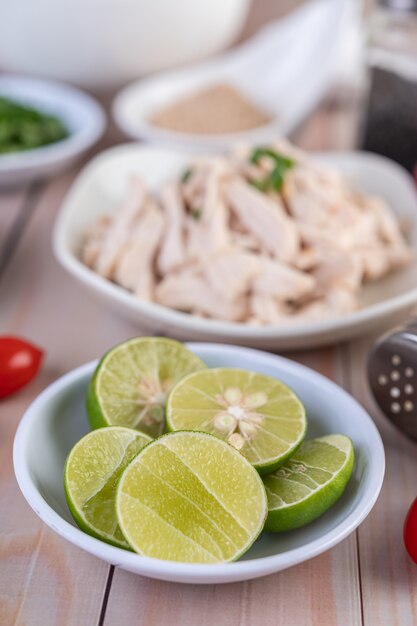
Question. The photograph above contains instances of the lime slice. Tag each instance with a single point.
(191, 497)
(131, 383)
(257, 414)
(309, 483)
(92, 471)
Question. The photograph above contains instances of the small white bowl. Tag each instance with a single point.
(57, 419)
(287, 89)
(102, 185)
(80, 113)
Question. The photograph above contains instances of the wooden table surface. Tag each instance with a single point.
(44, 581)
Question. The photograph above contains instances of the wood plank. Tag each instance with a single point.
(12, 219)
(43, 579)
(388, 576)
(295, 596)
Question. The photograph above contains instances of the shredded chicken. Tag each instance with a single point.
(119, 232)
(188, 290)
(265, 218)
(135, 268)
(172, 252)
(264, 236)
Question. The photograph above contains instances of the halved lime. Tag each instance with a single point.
(309, 483)
(92, 471)
(131, 383)
(258, 415)
(191, 497)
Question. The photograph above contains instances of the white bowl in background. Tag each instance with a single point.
(104, 44)
(81, 114)
(102, 185)
(286, 88)
(57, 419)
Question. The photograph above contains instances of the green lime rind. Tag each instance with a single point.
(131, 382)
(309, 483)
(91, 473)
(277, 426)
(191, 497)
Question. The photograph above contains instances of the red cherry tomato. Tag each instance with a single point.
(19, 363)
(410, 531)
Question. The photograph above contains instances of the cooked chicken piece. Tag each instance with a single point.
(318, 237)
(325, 211)
(172, 253)
(336, 302)
(213, 189)
(286, 148)
(207, 223)
(307, 259)
(379, 261)
(203, 179)
(230, 273)
(193, 188)
(264, 218)
(266, 309)
(135, 268)
(388, 226)
(206, 238)
(338, 270)
(187, 290)
(244, 241)
(121, 228)
(305, 204)
(375, 263)
(281, 281)
(94, 239)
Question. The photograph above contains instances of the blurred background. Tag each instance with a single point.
(286, 55)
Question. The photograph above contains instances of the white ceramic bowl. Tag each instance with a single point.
(99, 44)
(82, 115)
(57, 419)
(103, 184)
(287, 89)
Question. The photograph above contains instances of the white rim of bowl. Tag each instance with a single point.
(156, 568)
(144, 129)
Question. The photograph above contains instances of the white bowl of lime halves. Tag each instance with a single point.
(57, 419)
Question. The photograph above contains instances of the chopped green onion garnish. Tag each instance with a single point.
(186, 175)
(275, 179)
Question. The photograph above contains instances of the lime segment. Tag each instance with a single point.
(191, 497)
(132, 381)
(257, 414)
(91, 474)
(309, 483)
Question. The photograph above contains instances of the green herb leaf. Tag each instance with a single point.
(261, 185)
(275, 179)
(186, 175)
(24, 128)
(196, 214)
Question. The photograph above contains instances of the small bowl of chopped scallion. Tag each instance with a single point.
(24, 127)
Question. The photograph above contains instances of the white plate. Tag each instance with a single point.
(81, 114)
(287, 88)
(57, 419)
(102, 185)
